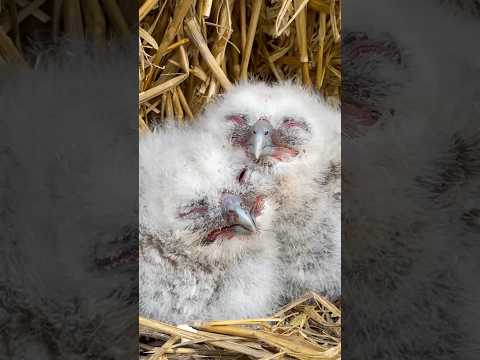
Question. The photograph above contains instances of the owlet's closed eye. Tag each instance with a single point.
(238, 119)
(194, 210)
(290, 123)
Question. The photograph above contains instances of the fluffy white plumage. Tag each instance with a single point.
(187, 270)
(291, 135)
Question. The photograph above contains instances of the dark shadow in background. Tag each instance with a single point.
(411, 179)
(69, 204)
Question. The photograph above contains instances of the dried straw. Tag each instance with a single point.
(193, 50)
(211, 44)
(307, 329)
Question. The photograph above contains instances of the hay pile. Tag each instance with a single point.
(191, 50)
(306, 329)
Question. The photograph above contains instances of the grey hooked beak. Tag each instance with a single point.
(244, 219)
(258, 144)
(261, 138)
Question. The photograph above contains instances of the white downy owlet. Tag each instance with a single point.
(206, 249)
(290, 135)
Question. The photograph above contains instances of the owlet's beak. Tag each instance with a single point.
(244, 219)
(236, 214)
(257, 144)
(261, 139)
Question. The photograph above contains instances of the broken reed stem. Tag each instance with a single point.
(174, 46)
(235, 57)
(145, 8)
(320, 73)
(320, 6)
(297, 11)
(168, 106)
(165, 347)
(276, 72)
(301, 27)
(175, 331)
(333, 22)
(180, 12)
(153, 107)
(195, 35)
(184, 103)
(243, 25)
(198, 72)
(163, 106)
(177, 107)
(290, 344)
(240, 322)
(206, 8)
(252, 28)
(144, 35)
(165, 328)
(153, 25)
(184, 59)
(141, 123)
(224, 32)
(161, 88)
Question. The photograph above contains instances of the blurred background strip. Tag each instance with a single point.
(29, 28)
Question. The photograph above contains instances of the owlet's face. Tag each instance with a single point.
(271, 124)
(191, 199)
(222, 223)
(268, 139)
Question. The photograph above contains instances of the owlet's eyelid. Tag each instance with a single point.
(194, 210)
(238, 119)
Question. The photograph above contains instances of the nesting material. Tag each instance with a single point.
(189, 52)
(309, 328)
(195, 49)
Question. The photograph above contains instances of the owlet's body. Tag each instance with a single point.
(204, 249)
(289, 135)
